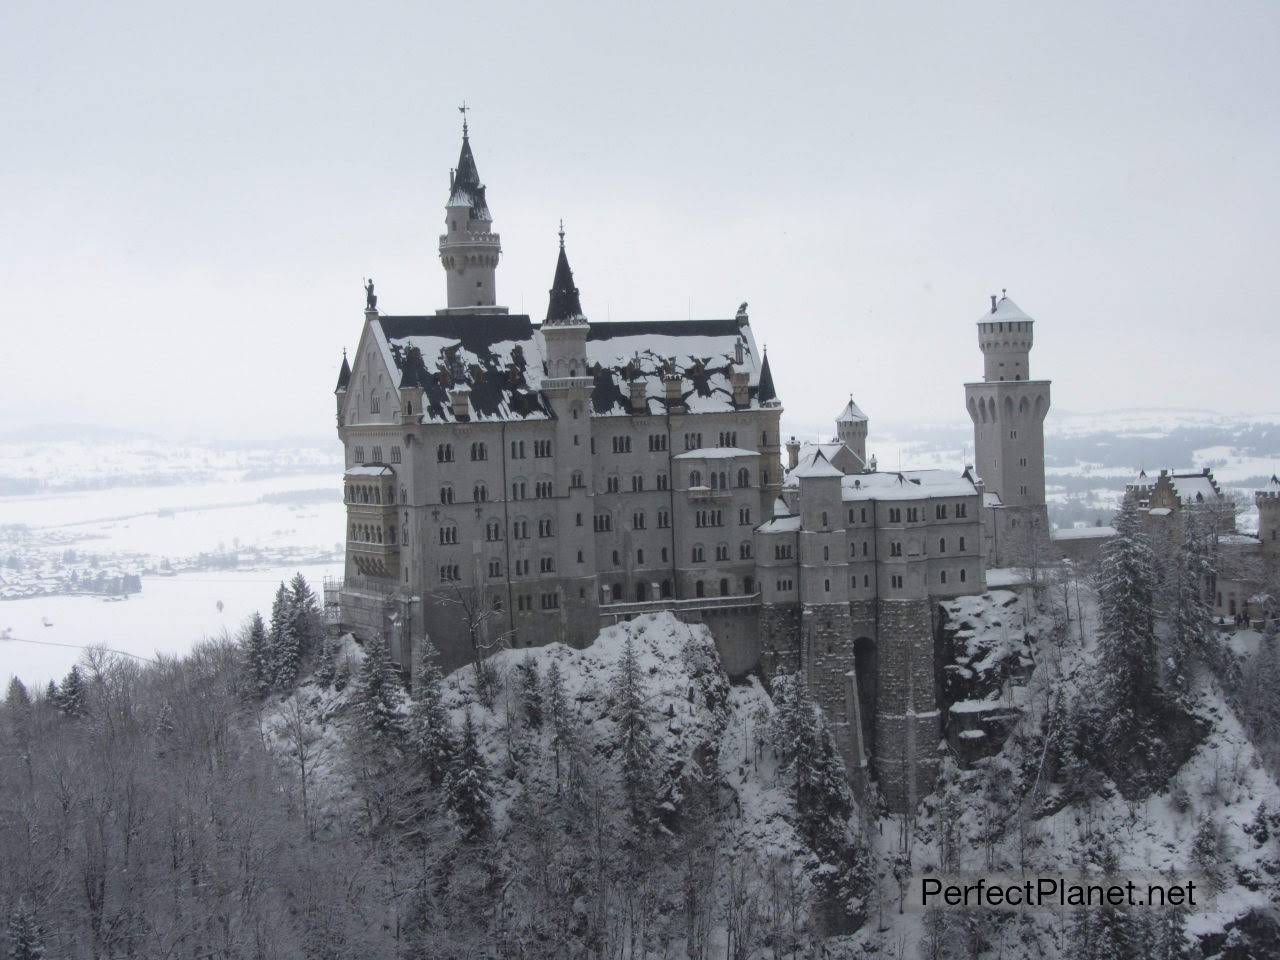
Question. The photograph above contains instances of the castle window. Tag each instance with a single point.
(942, 577)
(495, 568)
(744, 516)
(518, 489)
(748, 585)
(444, 453)
(664, 520)
(446, 494)
(577, 519)
(546, 565)
(864, 548)
(622, 444)
(359, 455)
(575, 480)
(449, 573)
(666, 589)
(517, 449)
(744, 550)
(940, 511)
(664, 554)
(895, 548)
(480, 493)
(782, 551)
(551, 601)
(593, 444)
(542, 448)
(580, 560)
(479, 451)
(851, 514)
(896, 582)
(964, 575)
(395, 454)
(913, 514)
(637, 483)
(448, 535)
(826, 554)
(662, 481)
(764, 438)
(544, 527)
(543, 490)
(1013, 434)
(493, 531)
(724, 587)
(497, 601)
(826, 586)
(895, 515)
(695, 478)
(699, 590)
(657, 442)
(611, 484)
(697, 555)
(962, 544)
(824, 519)
(603, 522)
(638, 520)
(942, 544)
(961, 510)
(640, 557)
(522, 568)
(722, 551)
(864, 515)
(373, 403)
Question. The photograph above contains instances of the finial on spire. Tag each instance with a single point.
(562, 233)
(1004, 294)
(463, 110)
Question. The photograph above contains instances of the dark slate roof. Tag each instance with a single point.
(344, 374)
(766, 392)
(564, 303)
(501, 358)
(465, 188)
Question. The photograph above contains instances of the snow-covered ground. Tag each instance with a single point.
(169, 616)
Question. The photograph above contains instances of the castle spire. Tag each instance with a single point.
(564, 305)
(469, 249)
(766, 392)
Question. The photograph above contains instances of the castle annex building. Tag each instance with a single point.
(514, 482)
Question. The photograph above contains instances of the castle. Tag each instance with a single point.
(513, 483)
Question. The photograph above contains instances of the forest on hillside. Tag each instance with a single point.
(283, 795)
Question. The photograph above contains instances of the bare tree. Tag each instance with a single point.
(305, 747)
(484, 641)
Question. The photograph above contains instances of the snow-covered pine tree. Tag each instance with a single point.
(1191, 635)
(530, 687)
(1206, 853)
(557, 705)
(71, 694)
(24, 936)
(1260, 694)
(1127, 654)
(430, 731)
(257, 656)
(305, 614)
(1167, 935)
(377, 698)
(467, 786)
(634, 744)
(286, 652)
(16, 696)
(51, 693)
(326, 671)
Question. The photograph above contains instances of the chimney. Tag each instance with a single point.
(639, 395)
(741, 385)
(793, 453)
(993, 303)
(671, 384)
(460, 399)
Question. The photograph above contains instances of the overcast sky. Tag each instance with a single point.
(191, 194)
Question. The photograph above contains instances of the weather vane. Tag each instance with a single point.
(561, 233)
(463, 110)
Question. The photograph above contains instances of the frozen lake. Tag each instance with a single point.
(169, 616)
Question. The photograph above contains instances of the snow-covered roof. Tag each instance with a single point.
(1194, 487)
(1005, 311)
(833, 451)
(1238, 540)
(908, 485)
(818, 466)
(370, 470)
(501, 358)
(851, 413)
(787, 524)
(716, 453)
(1084, 533)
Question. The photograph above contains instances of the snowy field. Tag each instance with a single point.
(169, 616)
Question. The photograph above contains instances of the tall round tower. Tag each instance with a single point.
(851, 428)
(1008, 410)
(1268, 501)
(469, 249)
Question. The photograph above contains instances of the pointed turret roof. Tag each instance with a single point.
(465, 188)
(819, 466)
(344, 374)
(851, 413)
(1003, 309)
(564, 305)
(766, 392)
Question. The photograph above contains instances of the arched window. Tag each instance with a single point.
(480, 494)
(748, 585)
(695, 478)
(616, 592)
(642, 592)
(942, 544)
(666, 589)
(744, 477)
(699, 590)
(724, 586)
